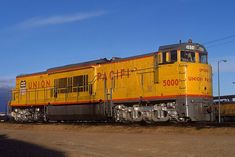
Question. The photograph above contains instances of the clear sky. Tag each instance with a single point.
(36, 35)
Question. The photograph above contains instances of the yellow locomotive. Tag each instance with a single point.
(172, 84)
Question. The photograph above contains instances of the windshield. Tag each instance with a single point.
(187, 56)
(202, 57)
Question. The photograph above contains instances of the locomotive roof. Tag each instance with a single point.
(180, 46)
(95, 62)
(183, 47)
(84, 64)
(99, 61)
(37, 73)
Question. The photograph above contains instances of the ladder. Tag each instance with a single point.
(108, 103)
(182, 78)
(183, 85)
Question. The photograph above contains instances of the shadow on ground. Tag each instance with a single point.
(15, 148)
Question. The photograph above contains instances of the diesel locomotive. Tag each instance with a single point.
(172, 84)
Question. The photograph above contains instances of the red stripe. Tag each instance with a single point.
(164, 97)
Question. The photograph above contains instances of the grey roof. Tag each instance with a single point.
(93, 62)
(36, 73)
(183, 46)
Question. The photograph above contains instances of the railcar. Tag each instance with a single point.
(227, 112)
(226, 108)
(173, 83)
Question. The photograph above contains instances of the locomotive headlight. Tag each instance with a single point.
(192, 101)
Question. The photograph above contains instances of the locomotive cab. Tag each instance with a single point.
(183, 52)
(186, 71)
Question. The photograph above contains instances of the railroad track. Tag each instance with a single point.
(160, 124)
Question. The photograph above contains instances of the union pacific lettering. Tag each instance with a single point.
(199, 79)
(39, 84)
(115, 74)
(203, 70)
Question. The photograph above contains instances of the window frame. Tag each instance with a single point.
(81, 85)
(176, 53)
(199, 57)
(166, 57)
(186, 57)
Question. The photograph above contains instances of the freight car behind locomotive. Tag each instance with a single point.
(172, 84)
(226, 108)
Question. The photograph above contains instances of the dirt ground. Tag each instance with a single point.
(102, 140)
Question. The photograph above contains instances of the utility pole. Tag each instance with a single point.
(219, 86)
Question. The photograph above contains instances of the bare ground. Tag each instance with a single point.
(104, 140)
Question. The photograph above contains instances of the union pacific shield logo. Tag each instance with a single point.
(22, 87)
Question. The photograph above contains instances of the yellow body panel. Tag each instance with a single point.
(124, 80)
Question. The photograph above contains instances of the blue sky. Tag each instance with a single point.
(36, 35)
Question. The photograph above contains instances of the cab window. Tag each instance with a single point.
(169, 57)
(187, 56)
(173, 55)
(202, 57)
(164, 57)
